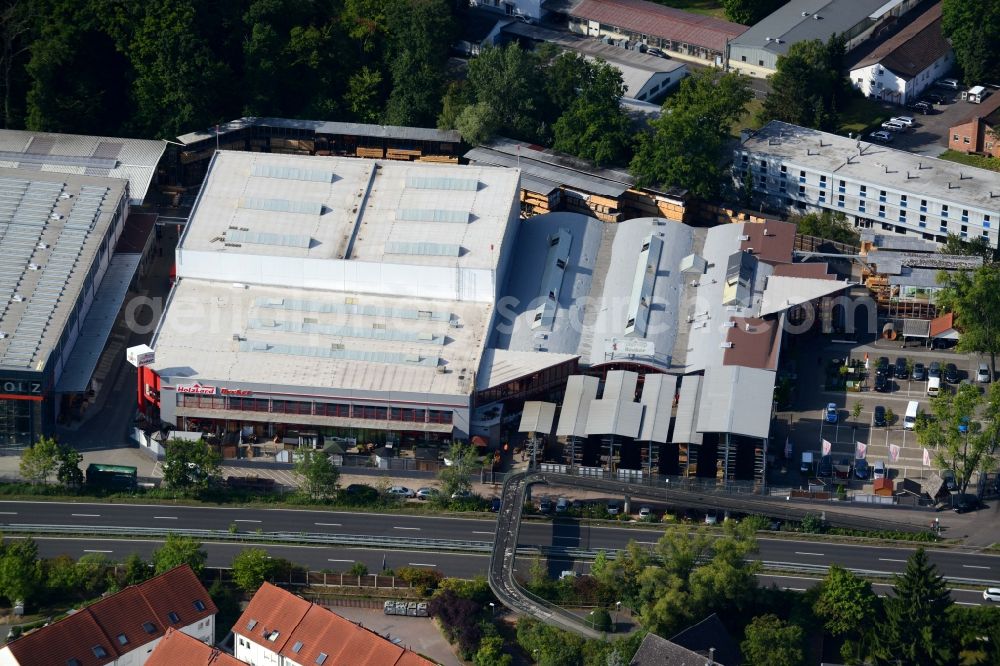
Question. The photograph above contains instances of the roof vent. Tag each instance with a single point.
(55, 216)
(816, 17)
(42, 246)
(726, 345)
(32, 267)
(3, 335)
(17, 298)
(805, 13)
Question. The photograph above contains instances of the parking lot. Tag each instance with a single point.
(929, 135)
(807, 426)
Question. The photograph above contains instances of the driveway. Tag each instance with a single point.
(930, 135)
(419, 634)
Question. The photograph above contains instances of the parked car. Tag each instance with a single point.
(401, 491)
(495, 504)
(544, 505)
(882, 383)
(653, 51)
(991, 594)
(948, 477)
(461, 494)
(831, 413)
(879, 419)
(427, 493)
(983, 374)
(614, 507)
(879, 471)
(882, 365)
(934, 370)
(900, 369)
(568, 573)
(842, 468)
(861, 469)
(919, 372)
(951, 373)
(921, 107)
(562, 505)
(965, 503)
(711, 518)
(963, 425)
(825, 469)
(935, 98)
(881, 135)
(893, 126)
(360, 493)
(903, 120)
(951, 84)
(645, 513)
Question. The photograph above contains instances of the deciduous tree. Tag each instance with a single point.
(420, 32)
(828, 225)
(189, 464)
(974, 297)
(462, 461)
(40, 460)
(595, 127)
(808, 87)
(251, 567)
(20, 570)
(319, 474)
(685, 146)
(769, 641)
(178, 550)
(749, 12)
(69, 473)
(977, 246)
(971, 27)
(846, 602)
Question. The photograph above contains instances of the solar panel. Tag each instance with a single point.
(442, 183)
(424, 248)
(282, 205)
(293, 173)
(263, 238)
(432, 215)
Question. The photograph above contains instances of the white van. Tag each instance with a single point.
(933, 386)
(910, 419)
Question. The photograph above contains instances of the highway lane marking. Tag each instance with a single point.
(889, 559)
(87, 550)
(795, 589)
(490, 533)
(86, 515)
(8, 513)
(415, 529)
(164, 517)
(974, 566)
(340, 560)
(565, 537)
(245, 520)
(421, 564)
(967, 603)
(329, 525)
(798, 552)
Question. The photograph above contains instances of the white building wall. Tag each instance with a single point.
(530, 9)
(6, 658)
(254, 654)
(882, 83)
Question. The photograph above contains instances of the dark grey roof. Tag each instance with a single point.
(787, 25)
(656, 651)
(327, 127)
(708, 634)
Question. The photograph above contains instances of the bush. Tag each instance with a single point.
(459, 618)
(424, 580)
(477, 589)
(812, 524)
(600, 619)
(358, 569)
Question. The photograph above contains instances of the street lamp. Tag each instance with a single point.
(492, 609)
(618, 607)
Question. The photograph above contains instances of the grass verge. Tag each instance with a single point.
(978, 161)
(704, 7)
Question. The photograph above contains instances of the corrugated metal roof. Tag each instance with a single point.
(545, 173)
(916, 277)
(326, 127)
(97, 326)
(736, 400)
(657, 400)
(616, 413)
(537, 417)
(687, 411)
(581, 392)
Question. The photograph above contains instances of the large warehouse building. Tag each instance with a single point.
(63, 204)
(325, 295)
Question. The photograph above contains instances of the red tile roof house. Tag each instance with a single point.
(179, 649)
(121, 629)
(281, 629)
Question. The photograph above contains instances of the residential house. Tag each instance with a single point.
(707, 643)
(900, 68)
(980, 131)
(177, 648)
(279, 628)
(121, 629)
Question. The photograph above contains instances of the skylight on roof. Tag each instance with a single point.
(99, 651)
(433, 215)
(251, 624)
(297, 647)
(321, 658)
(422, 248)
(282, 205)
(292, 173)
(273, 635)
(149, 627)
(122, 639)
(174, 617)
(442, 183)
(199, 605)
(265, 238)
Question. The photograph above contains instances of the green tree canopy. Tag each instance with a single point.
(69, 473)
(420, 32)
(319, 474)
(594, 126)
(749, 12)
(974, 297)
(846, 602)
(916, 630)
(189, 464)
(828, 225)
(968, 452)
(40, 460)
(972, 27)
(21, 571)
(177, 550)
(457, 477)
(978, 246)
(808, 87)
(686, 146)
(769, 641)
(251, 567)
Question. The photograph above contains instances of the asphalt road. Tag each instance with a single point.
(338, 559)
(954, 564)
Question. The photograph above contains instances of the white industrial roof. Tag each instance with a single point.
(325, 127)
(348, 208)
(500, 366)
(878, 165)
(324, 339)
(134, 160)
(736, 400)
(537, 417)
(657, 400)
(581, 391)
(617, 412)
(685, 431)
(52, 226)
(783, 292)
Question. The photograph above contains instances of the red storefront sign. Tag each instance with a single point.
(232, 391)
(196, 389)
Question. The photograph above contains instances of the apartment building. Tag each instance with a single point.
(891, 191)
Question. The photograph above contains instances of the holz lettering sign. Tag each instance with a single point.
(20, 387)
(196, 389)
